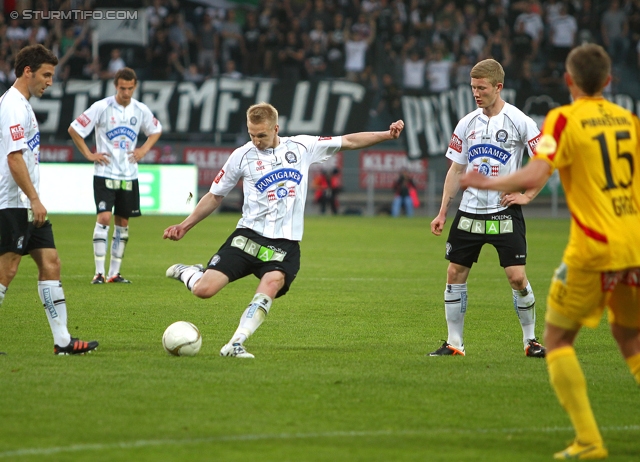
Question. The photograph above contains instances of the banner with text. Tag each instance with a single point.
(431, 119)
(217, 105)
(384, 167)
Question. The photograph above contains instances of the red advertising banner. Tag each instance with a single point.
(208, 160)
(385, 166)
(52, 153)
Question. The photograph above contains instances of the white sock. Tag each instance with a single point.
(118, 243)
(455, 306)
(525, 305)
(190, 276)
(55, 307)
(100, 236)
(3, 290)
(252, 317)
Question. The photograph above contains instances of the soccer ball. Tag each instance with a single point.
(182, 339)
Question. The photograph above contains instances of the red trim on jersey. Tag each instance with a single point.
(593, 234)
(558, 128)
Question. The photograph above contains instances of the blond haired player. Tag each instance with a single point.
(594, 145)
(266, 242)
(493, 139)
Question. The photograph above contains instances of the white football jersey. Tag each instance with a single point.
(18, 132)
(117, 128)
(493, 146)
(275, 182)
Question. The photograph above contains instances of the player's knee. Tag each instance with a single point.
(202, 290)
(518, 281)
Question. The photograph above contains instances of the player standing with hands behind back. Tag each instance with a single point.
(493, 140)
(24, 227)
(594, 144)
(117, 121)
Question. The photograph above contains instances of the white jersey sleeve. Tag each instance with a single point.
(90, 119)
(13, 122)
(150, 125)
(19, 132)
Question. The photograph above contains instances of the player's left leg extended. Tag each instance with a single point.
(255, 314)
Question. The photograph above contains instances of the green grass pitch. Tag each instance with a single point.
(340, 372)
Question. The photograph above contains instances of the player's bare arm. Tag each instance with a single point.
(206, 206)
(20, 175)
(534, 175)
(365, 139)
(137, 154)
(520, 198)
(450, 189)
(98, 157)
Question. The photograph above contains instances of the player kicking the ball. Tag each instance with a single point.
(266, 243)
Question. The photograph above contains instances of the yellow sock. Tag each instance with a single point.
(568, 381)
(634, 364)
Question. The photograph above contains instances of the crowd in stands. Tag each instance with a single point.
(394, 47)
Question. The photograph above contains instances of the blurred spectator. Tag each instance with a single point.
(533, 24)
(36, 33)
(414, 70)
(498, 49)
(335, 47)
(315, 62)
(389, 106)
(291, 58)
(252, 45)
(357, 43)
(15, 33)
(322, 190)
(272, 42)
(208, 47)
(231, 71)
(158, 54)
(115, 64)
(615, 29)
(405, 195)
(562, 33)
(439, 71)
(231, 38)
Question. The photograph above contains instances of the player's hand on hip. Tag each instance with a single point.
(101, 158)
(507, 199)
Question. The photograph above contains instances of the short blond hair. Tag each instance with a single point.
(262, 113)
(489, 69)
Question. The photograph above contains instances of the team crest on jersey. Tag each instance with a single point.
(486, 168)
(133, 121)
(214, 260)
(291, 157)
(281, 192)
(501, 136)
(17, 132)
